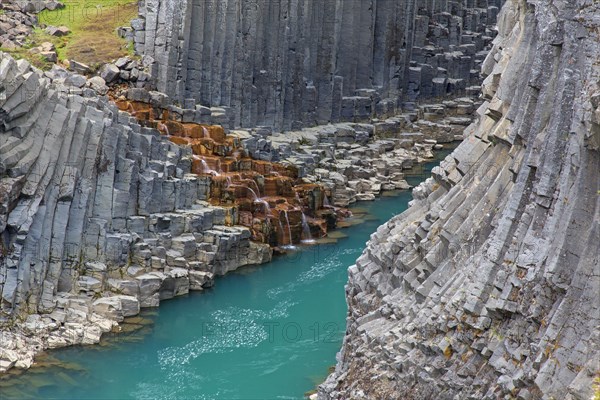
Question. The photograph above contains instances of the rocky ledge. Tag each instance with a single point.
(107, 208)
(99, 216)
(487, 287)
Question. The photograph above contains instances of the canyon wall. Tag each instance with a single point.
(99, 216)
(295, 63)
(487, 287)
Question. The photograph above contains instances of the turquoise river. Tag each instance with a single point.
(265, 332)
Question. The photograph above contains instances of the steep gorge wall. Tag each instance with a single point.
(97, 212)
(487, 287)
(295, 63)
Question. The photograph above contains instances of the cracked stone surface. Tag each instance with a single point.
(488, 285)
(294, 63)
(98, 217)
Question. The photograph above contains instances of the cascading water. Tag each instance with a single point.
(252, 181)
(223, 159)
(206, 168)
(162, 127)
(281, 228)
(265, 204)
(289, 228)
(254, 196)
(131, 110)
(307, 236)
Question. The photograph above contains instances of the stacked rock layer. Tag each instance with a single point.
(99, 216)
(295, 63)
(487, 287)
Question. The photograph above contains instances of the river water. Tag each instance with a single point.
(265, 332)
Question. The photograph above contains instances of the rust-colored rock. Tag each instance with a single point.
(266, 197)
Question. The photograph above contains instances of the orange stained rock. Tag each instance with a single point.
(216, 133)
(193, 131)
(174, 128)
(265, 196)
(179, 140)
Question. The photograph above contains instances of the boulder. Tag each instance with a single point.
(149, 288)
(109, 72)
(89, 284)
(123, 62)
(76, 80)
(57, 30)
(78, 67)
(97, 84)
(200, 280)
(49, 56)
(117, 307)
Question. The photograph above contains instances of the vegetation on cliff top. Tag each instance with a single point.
(93, 25)
(93, 39)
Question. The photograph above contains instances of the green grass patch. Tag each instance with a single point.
(34, 59)
(93, 39)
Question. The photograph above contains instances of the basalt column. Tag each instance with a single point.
(294, 63)
(487, 286)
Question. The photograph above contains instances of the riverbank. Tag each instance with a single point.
(82, 317)
(134, 225)
(222, 336)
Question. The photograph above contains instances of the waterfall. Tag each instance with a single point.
(326, 201)
(280, 227)
(131, 109)
(306, 230)
(206, 169)
(264, 203)
(161, 127)
(289, 228)
(254, 196)
(205, 133)
(252, 181)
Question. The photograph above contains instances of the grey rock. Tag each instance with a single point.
(49, 56)
(57, 30)
(319, 53)
(441, 309)
(76, 80)
(78, 67)
(109, 72)
(97, 84)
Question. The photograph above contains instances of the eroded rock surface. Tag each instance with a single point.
(99, 216)
(487, 287)
(297, 63)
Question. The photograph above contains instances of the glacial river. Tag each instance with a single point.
(265, 332)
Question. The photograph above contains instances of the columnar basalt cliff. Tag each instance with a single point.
(267, 197)
(487, 287)
(296, 63)
(99, 216)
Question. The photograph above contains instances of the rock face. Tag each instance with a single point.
(15, 25)
(296, 63)
(93, 206)
(487, 287)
